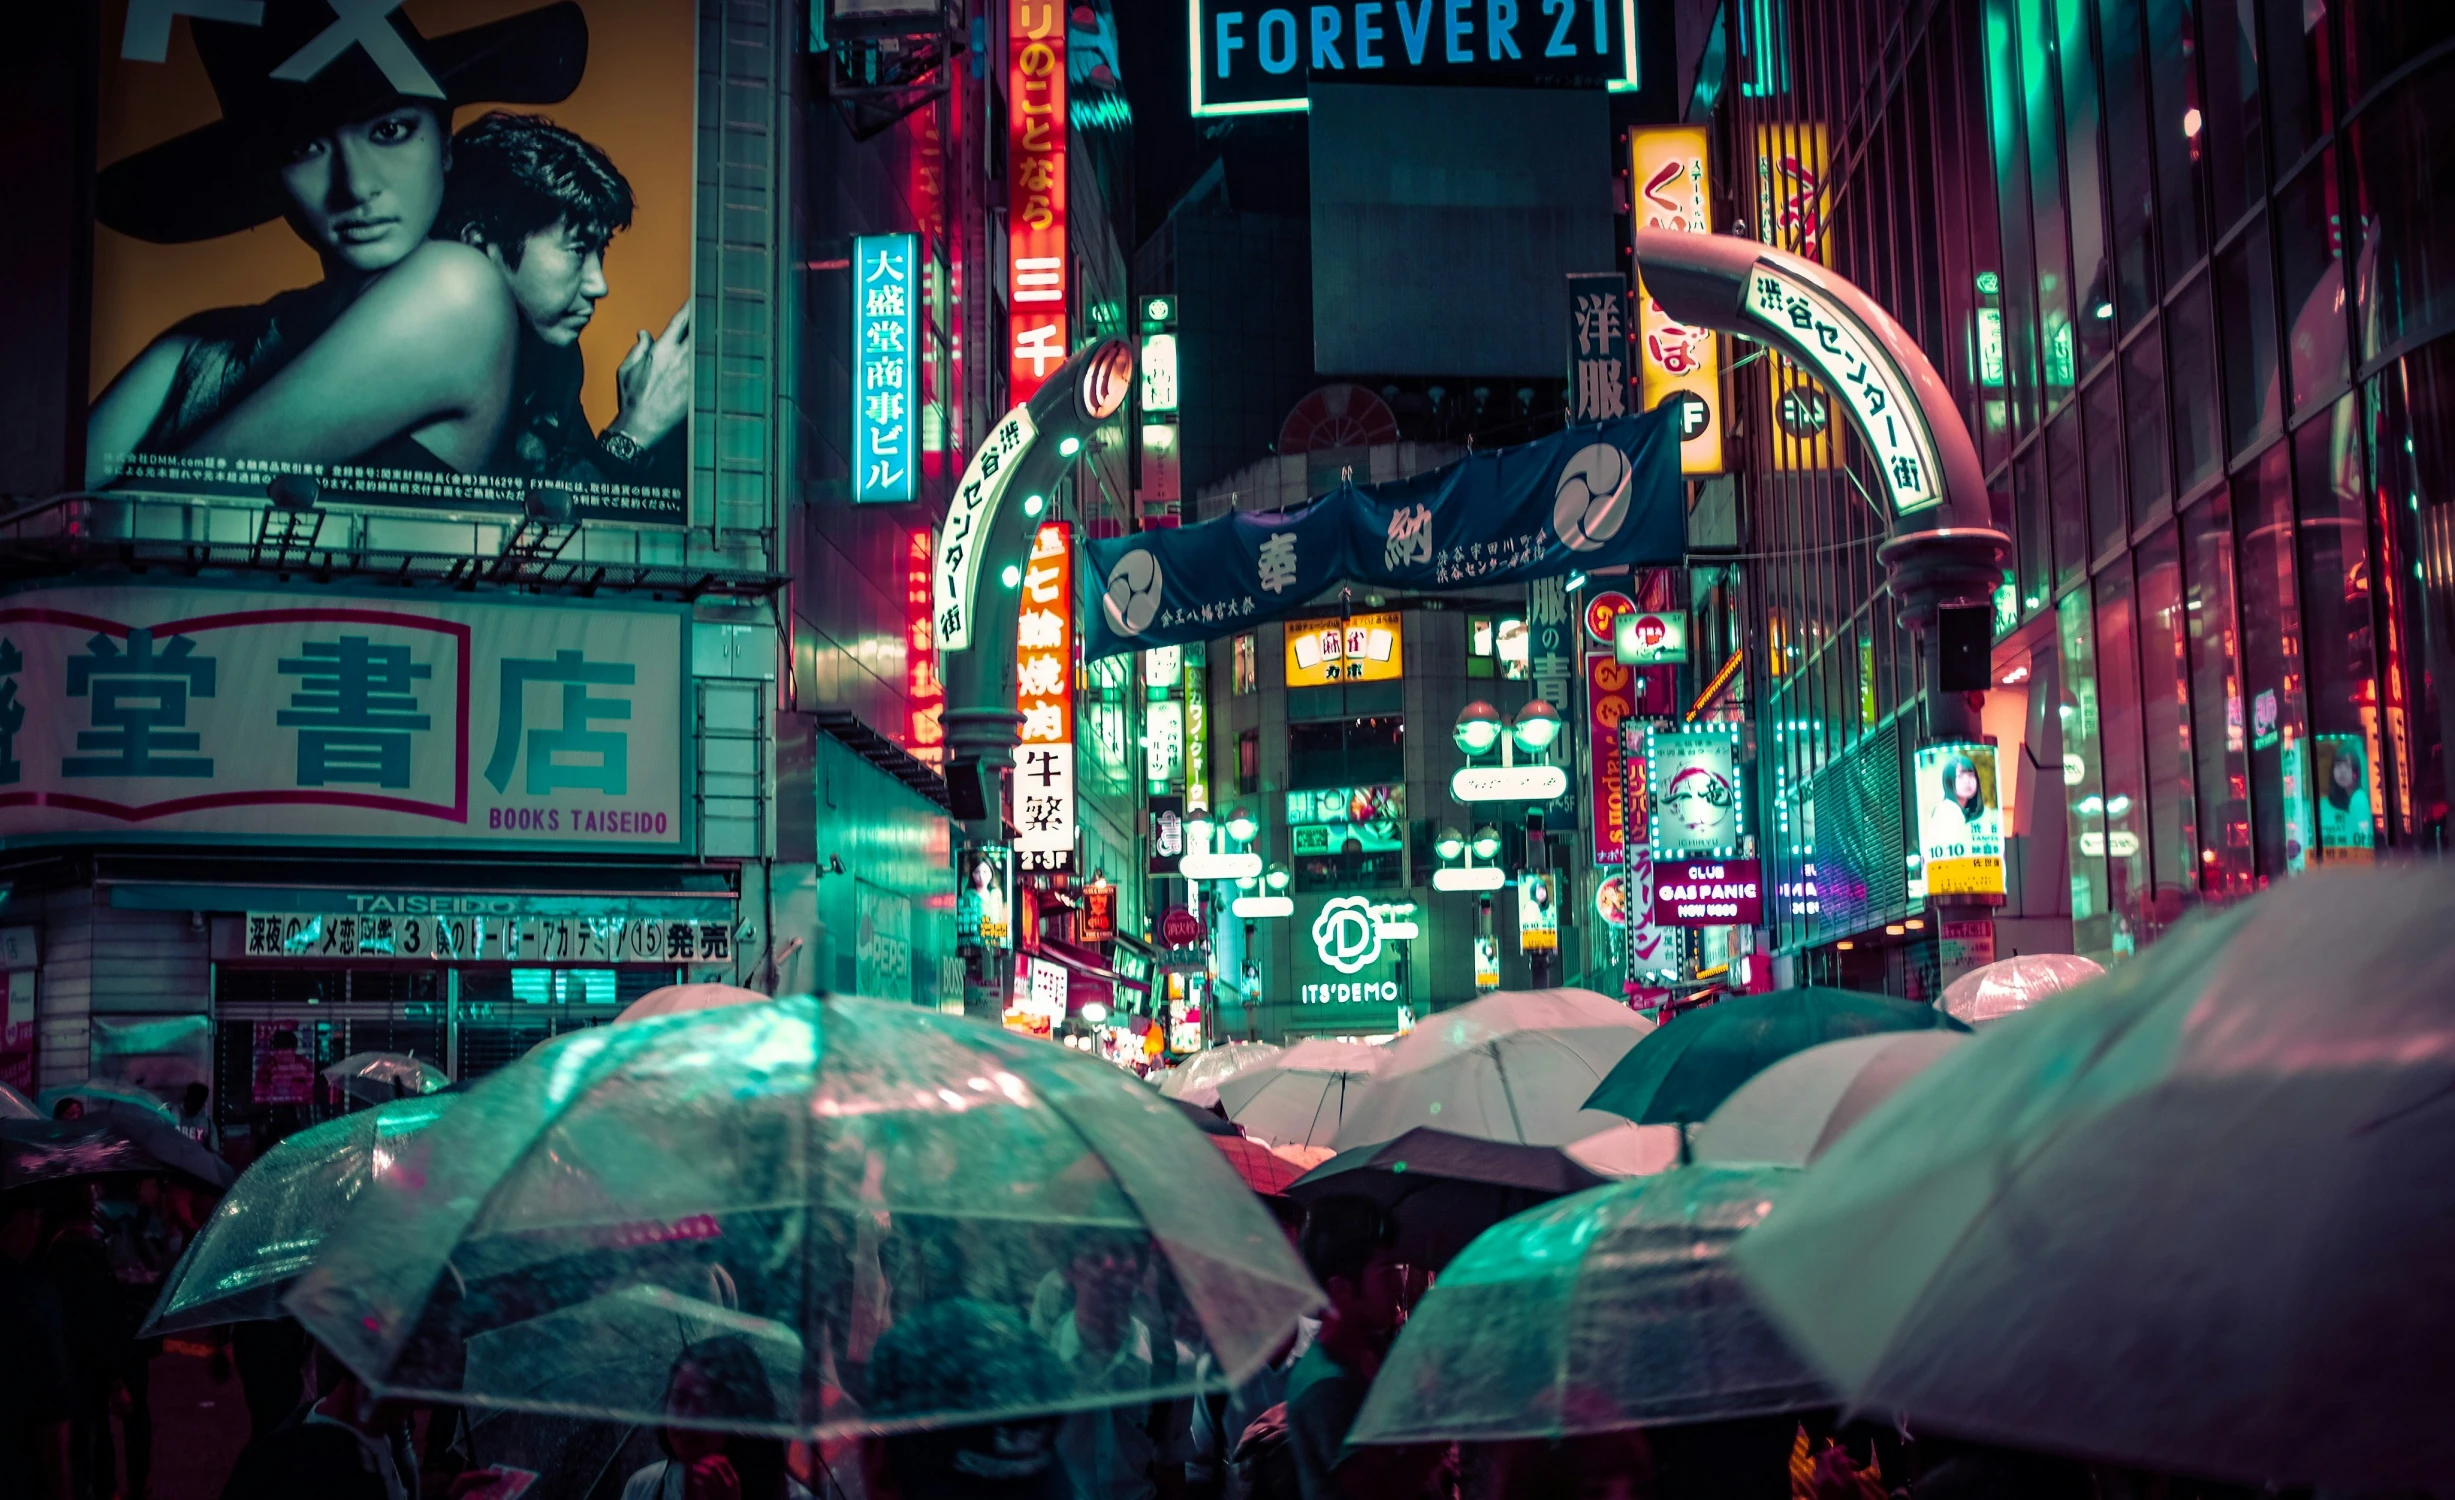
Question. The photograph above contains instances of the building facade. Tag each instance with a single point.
(2179, 265)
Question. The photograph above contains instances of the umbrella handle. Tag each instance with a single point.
(1687, 1155)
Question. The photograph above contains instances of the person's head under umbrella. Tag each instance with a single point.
(963, 1356)
(714, 1382)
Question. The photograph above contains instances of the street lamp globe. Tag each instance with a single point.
(1487, 841)
(1450, 844)
(1198, 827)
(1095, 1013)
(1538, 724)
(1276, 876)
(1478, 728)
(1247, 882)
(1240, 824)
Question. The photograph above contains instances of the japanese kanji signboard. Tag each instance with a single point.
(1044, 691)
(955, 571)
(1671, 189)
(1597, 347)
(324, 936)
(1035, 194)
(1611, 698)
(157, 713)
(886, 375)
(1853, 362)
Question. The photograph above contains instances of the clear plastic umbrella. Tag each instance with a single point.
(839, 1168)
(1608, 1309)
(1299, 1097)
(268, 1227)
(94, 1096)
(380, 1077)
(2192, 1217)
(1197, 1080)
(681, 999)
(1512, 1066)
(1792, 1111)
(2014, 984)
(16, 1106)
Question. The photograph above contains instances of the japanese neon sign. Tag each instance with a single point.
(885, 304)
(924, 691)
(1044, 691)
(1851, 362)
(1036, 267)
(1675, 361)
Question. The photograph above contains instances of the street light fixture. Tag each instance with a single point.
(1487, 842)
(1538, 725)
(1478, 728)
(1198, 828)
(1240, 824)
(1450, 844)
(1276, 877)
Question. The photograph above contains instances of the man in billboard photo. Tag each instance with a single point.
(543, 205)
(403, 355)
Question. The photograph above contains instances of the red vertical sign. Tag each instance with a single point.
(1610, 697)
(1036, 266)
(924, 693)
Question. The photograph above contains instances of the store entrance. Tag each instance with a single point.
(277, 1028)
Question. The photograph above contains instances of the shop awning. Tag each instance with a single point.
(1087, 964)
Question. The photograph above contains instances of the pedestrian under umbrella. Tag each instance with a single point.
(380, 1077)
(1440, 1190)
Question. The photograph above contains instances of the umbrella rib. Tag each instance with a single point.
(1507, 1094)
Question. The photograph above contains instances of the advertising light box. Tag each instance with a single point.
(1250, 59)
(1693, 793)
(1651, 638)
(1960, 821)
(1366, 648)
(1709, 893)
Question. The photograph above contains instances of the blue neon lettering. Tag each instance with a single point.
(1560, 45)
(1453, 29)
(1325, 37)
(1367, 35)
(1416, 31)
(1284, 23)
(1499, 20)
(1229, 41)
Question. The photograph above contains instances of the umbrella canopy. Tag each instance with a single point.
(1443, 1189)
(841, 1168)
(1792, 1111)
(102, 1144)
(1264, 1170)
(1512, 1066)
(1197, 1079)
(267, 1229)
(2014, 984)
(2193, 1217)
(95, 1096)
(16, 1106)
(378, 1077)
(1207, 1121)
(1686, 1069)
(1627, 1149)
(1610, 1309)
(682, 999)
(1299, 1097)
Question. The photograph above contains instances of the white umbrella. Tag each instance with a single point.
(1792, 1111)
(1197, 1080)
(675, 999)
(2193, 1217)
(1512, 1066)
(2015, 984)
(1627, 1150)
(16, 1106)
(1299, 1097)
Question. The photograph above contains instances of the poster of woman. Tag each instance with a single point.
(1960, 820)
(2342, 781)
(413, 253)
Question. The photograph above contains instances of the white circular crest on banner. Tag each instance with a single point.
(1345, 934)
(1590, 503)
(1132, 598)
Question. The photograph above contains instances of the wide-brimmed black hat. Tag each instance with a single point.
(306, 69)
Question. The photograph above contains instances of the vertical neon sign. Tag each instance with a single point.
(1044, 691)
(1036, 281)
(924, 693)
(885, 303)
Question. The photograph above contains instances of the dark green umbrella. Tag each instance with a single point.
(1685, 1067)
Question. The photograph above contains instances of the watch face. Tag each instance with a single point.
(622, 448)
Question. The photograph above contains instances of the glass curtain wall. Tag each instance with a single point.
(2189, 268)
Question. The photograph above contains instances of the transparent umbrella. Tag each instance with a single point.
(94, 1096)
(268, 1227)
(379, 1077)
(2192, 1217)
(681, 999)
(1608, 1309)
(16, 1106)
(1512, 1066)
(2012, 985)
(838, 1168)
(1197, 1080)
(1790, 1113)
(1299, 1097)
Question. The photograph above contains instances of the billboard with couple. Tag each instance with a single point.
(432, 255)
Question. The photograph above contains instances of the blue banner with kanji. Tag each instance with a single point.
(1598, 495)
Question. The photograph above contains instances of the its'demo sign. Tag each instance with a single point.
(1256, 58)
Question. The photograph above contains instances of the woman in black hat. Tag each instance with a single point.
(402, 356)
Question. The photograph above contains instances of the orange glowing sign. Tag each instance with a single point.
(1671, 190)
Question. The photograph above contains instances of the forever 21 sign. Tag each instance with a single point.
(1252, 57)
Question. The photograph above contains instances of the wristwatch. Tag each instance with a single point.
(622, 450)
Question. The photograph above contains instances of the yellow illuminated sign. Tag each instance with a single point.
(1793, 208)
(1362, 648)
(1671, 190)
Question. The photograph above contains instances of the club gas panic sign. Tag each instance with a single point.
(1252, 57)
